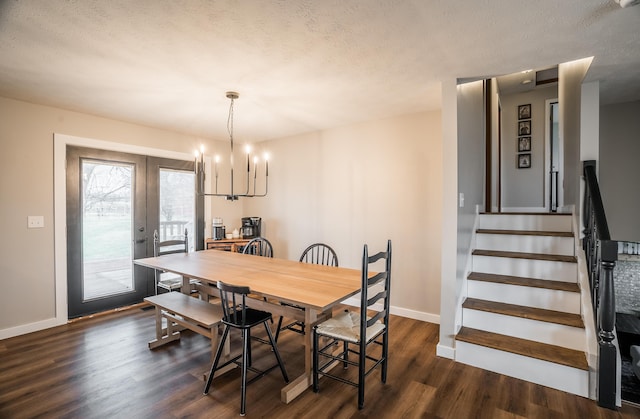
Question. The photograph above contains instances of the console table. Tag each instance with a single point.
(229, 245)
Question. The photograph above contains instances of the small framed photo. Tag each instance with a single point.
(524, 144)
(524, 128)
(524, 111)
(524, 161)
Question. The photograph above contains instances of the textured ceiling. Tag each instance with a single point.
(298, 65)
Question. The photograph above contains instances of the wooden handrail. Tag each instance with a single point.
(601, 253)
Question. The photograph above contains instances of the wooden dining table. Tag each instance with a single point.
(314, 288)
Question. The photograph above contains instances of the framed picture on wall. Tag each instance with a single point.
(524, 127)
(524, 144)
(524, 161)
(524, 111)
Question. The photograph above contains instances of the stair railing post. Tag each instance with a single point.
(606, 322)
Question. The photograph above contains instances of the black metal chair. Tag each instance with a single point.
(168, 281)
(238, 316)
(319, 254)
(259, 247)
(369, 326)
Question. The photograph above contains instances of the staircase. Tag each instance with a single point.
(522, 315)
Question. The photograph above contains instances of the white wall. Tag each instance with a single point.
(463, 172)
(570, 76)
(619, 171)
(524, 188)
(364, 183)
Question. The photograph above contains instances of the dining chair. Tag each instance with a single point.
(238, 316)
(259, 247)
(364, 329)
(164, 280)
(319, 254)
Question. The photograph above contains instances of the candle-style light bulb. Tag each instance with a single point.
(255, 169)
(217, 160)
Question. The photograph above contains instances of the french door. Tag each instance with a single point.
(115, 201)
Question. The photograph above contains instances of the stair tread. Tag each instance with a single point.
(525, 282)
(526, 232)
(552, 353)
(550, 214)
(523, 255)
(532, 313)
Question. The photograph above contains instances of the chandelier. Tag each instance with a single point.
(231, 196)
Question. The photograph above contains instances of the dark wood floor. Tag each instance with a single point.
(101, 368)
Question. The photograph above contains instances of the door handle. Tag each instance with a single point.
(141, 240)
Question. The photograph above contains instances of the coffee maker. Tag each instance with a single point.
(217, 229)
(250, 227)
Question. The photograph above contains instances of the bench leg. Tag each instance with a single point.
(163, 335)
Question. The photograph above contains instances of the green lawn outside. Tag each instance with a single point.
(106, 237)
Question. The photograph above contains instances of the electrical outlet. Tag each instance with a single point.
(35, 221)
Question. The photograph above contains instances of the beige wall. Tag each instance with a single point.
(570, 77)
(26, 188)
(524, 188)
(618, 171)
(360, 184)
(320, 190)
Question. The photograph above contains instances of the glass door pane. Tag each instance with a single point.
(177, 205)
(107, 227)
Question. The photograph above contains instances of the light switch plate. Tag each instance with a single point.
(35, 221)
(461, 200)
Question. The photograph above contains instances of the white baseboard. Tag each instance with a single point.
(31, 327)
(400, 311)
(445, 351)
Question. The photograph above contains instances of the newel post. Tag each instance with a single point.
(606, 323)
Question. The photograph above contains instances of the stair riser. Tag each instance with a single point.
(550, 333)
(568, 302)
(525, 222)
(531, 268)
(526, 244)
(545, 373)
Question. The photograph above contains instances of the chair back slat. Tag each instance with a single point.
(377, 257)
(376, 278)
(258, 247)
(232, 299)
(378, 316)
(371, 301)
(168, 247)
(319, 254)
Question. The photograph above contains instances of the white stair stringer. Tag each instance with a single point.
(549, 374)
(537, 222)
(547, 299)
(529, 268)
(529, 329)
(526, 243)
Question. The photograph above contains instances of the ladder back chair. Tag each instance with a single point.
(238, 316)
(368, 328)
(167, 281)
(319, 254)
(258, 247)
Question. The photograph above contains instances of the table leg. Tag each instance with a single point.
(186, 286)
(300, 384)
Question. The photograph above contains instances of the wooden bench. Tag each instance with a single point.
(184, 312)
